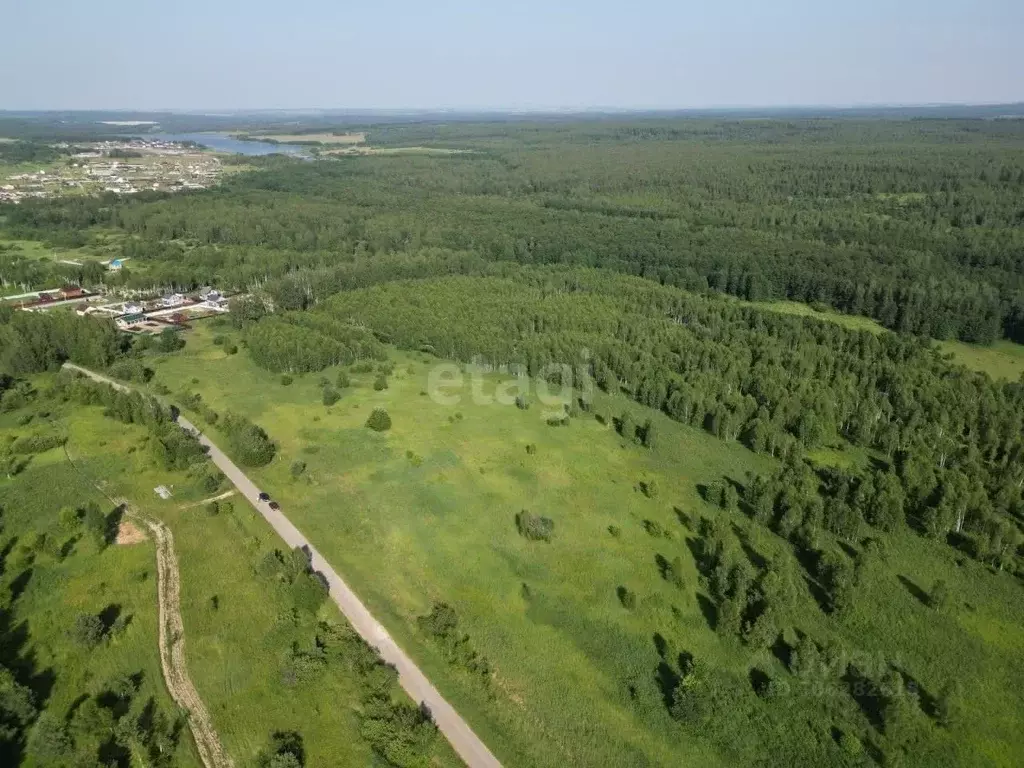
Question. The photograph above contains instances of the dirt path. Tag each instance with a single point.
(172, 635)
(194, 504)
(172, 648)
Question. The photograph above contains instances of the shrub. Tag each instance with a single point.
(343, 380)
(380, 383)
(298, 467)
(521, 403)
(88, 631)
(69, 518)
(531, 449)
(649, 488)
(939, 598)
(231, 349)
(330, 396)
(627, 427)
(38, 443)
(211, 481)
(379, 420)
(131, 370)
(656, 529)
(650, 439)
(169, 340)
(286, 380)
(250, 444)
(442, 624)
(534, 527)
(615, 531)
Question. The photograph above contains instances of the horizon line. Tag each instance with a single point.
(530, 109)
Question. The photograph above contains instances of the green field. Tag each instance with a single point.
(49, 593)
(235, 651)
(426, 513)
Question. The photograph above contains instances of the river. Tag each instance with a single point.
(225, 142)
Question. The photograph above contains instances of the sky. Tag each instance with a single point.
(523, 54)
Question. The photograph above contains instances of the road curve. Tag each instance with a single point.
(466, 743)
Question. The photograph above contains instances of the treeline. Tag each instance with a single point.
(172, 446)
(952, 439)
(31, 342)
(298, 343)
(14, 152)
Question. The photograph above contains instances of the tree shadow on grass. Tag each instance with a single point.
(707, 607)
(23, 664)
(915, 590)
(929, 703)
(20, 583)
(756, 559)
(759, 681)
(783, 651)
(866, 694)
(683, 518)
(109, 616)
(113, 523)
(668, 680)
(5, 554)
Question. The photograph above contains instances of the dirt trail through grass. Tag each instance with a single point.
(172, 634)
(172, 648)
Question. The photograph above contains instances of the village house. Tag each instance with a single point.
(173, 300)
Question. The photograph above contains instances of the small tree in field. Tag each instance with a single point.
(330, 396)
(88, 631)
(379, 420)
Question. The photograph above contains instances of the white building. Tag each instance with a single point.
(173, 300)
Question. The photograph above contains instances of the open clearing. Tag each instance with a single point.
(128, 533)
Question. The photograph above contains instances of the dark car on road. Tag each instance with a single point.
(264, 496)
(274, 505)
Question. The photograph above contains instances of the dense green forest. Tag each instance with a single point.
(916, 224)
(619, 248)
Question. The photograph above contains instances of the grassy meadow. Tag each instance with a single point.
(240, 626)
(425, 513)
(49, 593)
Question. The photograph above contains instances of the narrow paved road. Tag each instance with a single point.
(466, 743)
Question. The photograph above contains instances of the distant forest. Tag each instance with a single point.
(918, 224)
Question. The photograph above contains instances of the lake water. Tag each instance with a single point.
(224, 142)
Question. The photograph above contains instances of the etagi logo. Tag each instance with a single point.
(555, 386)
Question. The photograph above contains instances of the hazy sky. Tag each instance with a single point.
(231, 54)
